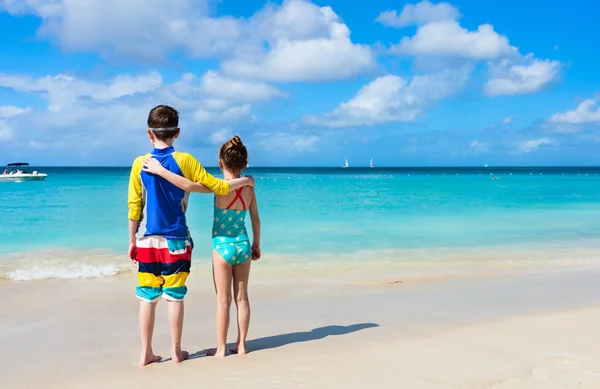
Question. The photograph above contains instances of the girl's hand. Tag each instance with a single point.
(255, 252)
(252, 181)
(151, 165)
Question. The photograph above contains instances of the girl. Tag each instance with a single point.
(232, 252)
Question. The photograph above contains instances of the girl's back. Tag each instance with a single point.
(230, 236)
(232, 200)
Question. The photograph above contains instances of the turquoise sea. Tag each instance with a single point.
(79, 215)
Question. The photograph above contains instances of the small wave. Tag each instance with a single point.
(62, 271)
(59, 264)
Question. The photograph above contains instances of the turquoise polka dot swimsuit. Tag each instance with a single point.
(230, 238)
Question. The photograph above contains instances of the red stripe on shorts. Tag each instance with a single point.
(152, 255)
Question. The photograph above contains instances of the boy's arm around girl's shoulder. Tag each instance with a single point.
(195, 172)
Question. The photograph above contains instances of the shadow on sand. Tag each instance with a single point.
(275, 341)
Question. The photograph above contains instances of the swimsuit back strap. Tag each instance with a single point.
(238, 195)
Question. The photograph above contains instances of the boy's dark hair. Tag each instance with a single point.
(165, 120)
(234, 154)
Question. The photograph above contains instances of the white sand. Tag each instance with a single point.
(534, 330)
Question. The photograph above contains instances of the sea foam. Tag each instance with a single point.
(44, 271)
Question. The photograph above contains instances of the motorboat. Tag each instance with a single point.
(16, 172)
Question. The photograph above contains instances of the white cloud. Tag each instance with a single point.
(528, 77)
(507, 120)
(211, 92)
(286, 143)
(440, 39)
(391, 99)
(305, 43)
(296, 41)
(419, 14)
(586, 112)
(140, 29)
(477, 147)
(76, 109)
(221, 136)
(534, 144)
(226, 115)
(449, 39)
(6, 132)
(62, 90)
(305, 143)
(8, 111)
(231, 89)
(215, 98)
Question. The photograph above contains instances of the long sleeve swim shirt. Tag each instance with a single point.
(159, 205)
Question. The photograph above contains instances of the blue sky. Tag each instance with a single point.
(303, 83)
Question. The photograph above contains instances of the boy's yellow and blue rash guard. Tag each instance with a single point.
(159, 205)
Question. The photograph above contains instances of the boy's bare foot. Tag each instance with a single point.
(217, 352)
(148, 359)
(183, 355)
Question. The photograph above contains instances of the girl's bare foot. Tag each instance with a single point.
(148, 359)
(217, 352)
(239, 349)
(183, 355)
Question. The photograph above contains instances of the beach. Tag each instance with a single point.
(393, 278)
(526, 329)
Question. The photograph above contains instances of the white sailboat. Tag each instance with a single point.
(346, 164)
(371, 164)
(486, 165)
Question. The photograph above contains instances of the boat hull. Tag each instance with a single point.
(22, 177)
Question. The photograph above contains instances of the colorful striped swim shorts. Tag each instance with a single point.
(164, 266)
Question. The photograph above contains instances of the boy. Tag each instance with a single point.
(159, 239)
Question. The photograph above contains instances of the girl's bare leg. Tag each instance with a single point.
(241, 273)
(222, 274)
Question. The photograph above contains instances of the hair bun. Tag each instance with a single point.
(236, 142)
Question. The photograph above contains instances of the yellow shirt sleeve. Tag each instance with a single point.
(134, 196)
(193, 171)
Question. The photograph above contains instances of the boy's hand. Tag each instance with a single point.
(252, 182)
(133, 253)
(151, 165)
(255, 252)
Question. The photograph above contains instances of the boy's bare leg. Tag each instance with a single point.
(176, 310)
(241, 273)
(222, 274)
(147, 314)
